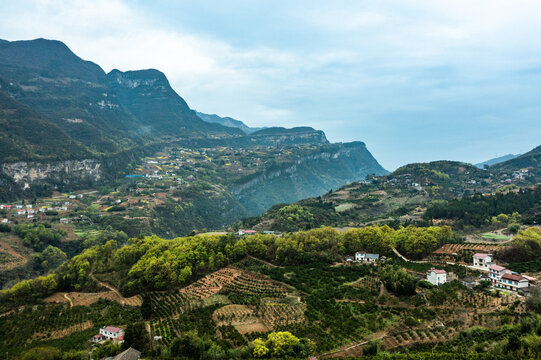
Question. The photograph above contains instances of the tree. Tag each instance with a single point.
(398, 281)
(282, 344)
(50, 258)
(186, 345)
(136, 336)
(533, 302)
(146, 307)
(42, 353)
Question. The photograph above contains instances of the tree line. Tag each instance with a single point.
(153, 263)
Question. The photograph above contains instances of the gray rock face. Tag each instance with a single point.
(309, 176)
(27, 174)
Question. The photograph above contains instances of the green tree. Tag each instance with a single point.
(146, 307)
(136, 336)
(42, 353)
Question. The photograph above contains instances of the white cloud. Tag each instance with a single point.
(357, 69)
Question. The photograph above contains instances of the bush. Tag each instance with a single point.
(42, 353)
(513, 228)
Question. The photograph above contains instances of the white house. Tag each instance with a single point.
(481, 260)
(21, 212)
(513, 282)
(496, 272)
(98, 338)
(362, 256)
(243, 232)
(436, 277)
(5, 221)
(112, 333)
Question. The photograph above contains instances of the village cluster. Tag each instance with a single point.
(497, 275)
(407, 181)
(38, 210)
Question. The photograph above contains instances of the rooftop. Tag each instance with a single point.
(130, 354)
(437, 271)
(513, 277)
(481, 255)
(496, 267)
(112, 329)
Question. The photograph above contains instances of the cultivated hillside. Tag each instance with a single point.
(75, 126)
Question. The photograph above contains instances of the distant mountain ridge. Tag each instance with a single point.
(497, 160)
(228, 121)
(62, 115)
(530, 160)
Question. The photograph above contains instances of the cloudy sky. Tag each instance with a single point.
(417, 80)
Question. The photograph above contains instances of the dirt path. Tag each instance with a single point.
(91, 274)
(407, 260)
(264, 262)
(18, 259)
(122, 301)
(430, 262)
(69, 300)
(337, 353)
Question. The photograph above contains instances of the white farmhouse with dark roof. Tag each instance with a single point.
(513, 282)
(362, 256)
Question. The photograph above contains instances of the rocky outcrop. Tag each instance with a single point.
(312, 175)
(27, 174)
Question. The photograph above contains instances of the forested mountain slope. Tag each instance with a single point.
(496, 160)
(94, 128)
(530, 160)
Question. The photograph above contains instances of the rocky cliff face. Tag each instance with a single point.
(309, 176)
(27, 174)
(283, 137)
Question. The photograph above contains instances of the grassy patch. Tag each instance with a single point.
(344, 207)
(492, 236)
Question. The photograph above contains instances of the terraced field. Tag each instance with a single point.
(85, 299)
(241, 317)
(222, 288)
(449, 249)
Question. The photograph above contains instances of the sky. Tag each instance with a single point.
(416, 80)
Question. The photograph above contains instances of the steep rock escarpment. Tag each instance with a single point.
(309, 176)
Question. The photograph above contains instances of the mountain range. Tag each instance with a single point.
(57, 108)
(496, 160)
(229, 122)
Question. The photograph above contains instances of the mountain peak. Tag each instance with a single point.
(139, 78)
(48, 57)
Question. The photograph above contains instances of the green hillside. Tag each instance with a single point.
(530, 160)
(26, 135)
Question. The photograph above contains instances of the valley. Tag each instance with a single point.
(130, 220)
